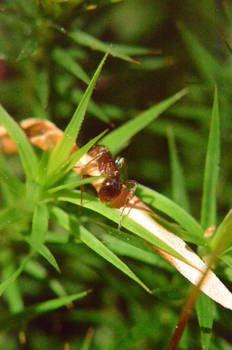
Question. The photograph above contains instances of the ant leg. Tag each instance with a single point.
(129, 197)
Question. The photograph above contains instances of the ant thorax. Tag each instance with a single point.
(105, 162)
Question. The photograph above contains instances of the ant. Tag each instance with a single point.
(112, 186)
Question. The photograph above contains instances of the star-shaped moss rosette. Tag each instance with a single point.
(45, 135)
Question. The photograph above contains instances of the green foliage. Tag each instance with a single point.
(118, 138)
(179, 192)
(27, 155)
(63, 148)
(208, 213)
(51, 252)
(114, 215)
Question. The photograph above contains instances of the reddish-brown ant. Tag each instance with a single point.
(112, 186)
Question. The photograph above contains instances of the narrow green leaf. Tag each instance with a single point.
(47, 254)
(65, 60)
(13, 321)
(57, 238)
(205, 314)
(35, 269)
(222, 239)
(179, 231)
(127, 245)
(87, 340)
(67, 165)
(208, 209)
(39, 111)
(13, 293)
(152, 63)
(208, 215)
(113, 111)
(227, 258)
(30, 45)
(116, 140)
(179, 193)
(206, 62)
(8, 216)
(63, 148)
(132, 50)
(74, 184)
(61, 217)
(57, 288)
(113, 214)
(25, 150)
(73, 159)
(38, 233)
(39, 226)
(14, 185)
(42, 87)
(92, 242)
(93, 108)
(43, 167)
(13, 276)
(194, 112)
(88, 40)
(183, 132)
(33, 190)
(173, 210)
(54, 304)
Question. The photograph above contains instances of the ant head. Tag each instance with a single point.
(110, 189)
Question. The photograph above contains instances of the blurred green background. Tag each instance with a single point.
(174, 44)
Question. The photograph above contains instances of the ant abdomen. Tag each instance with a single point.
(110, 189)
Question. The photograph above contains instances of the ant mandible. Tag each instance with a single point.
(112, 186)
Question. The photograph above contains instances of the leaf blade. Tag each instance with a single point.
(65, 60)
(208, 209)
(179, 192)
(88, 40)
(205, 315)
(173, 210)
(116, 140)
(208, 213)
(13, 276)
(91, 241)
(31, 312)
(113, 214)
(25, 150)
(39, 225)
(47, 254)
(63, 148)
